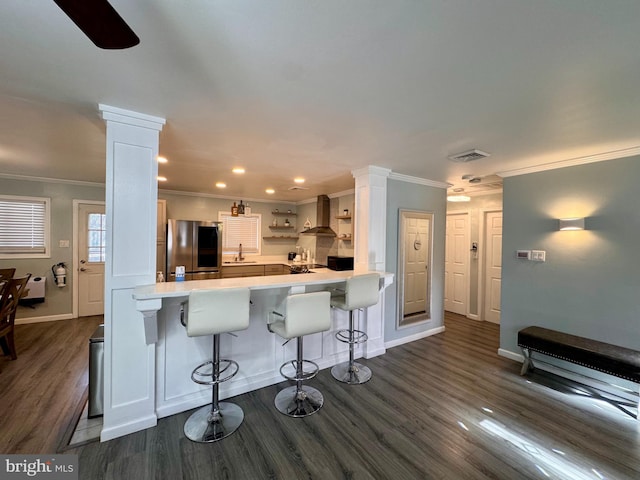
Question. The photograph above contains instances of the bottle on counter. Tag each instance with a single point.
(234, 210)
(247, 209)
(241, 208)
(160, 277)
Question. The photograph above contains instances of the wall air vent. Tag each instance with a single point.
(295, 187)
(468, 156)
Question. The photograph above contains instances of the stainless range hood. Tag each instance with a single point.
(322, 219)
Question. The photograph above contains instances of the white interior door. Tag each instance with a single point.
(416, 238)
(493, 269)
(457, 250)
(91, 251)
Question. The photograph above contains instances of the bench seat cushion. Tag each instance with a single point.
(604, 357)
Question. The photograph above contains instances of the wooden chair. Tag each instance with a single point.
(11, 293)
(5, 275)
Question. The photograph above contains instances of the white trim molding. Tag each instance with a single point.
(413, 338)
(420, 181)
(44, 318)
(572, 162)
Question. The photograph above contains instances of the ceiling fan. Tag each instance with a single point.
(100, 22)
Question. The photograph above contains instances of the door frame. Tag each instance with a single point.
(467, 287)
(403, 214)
(76, 254)
(482, 262)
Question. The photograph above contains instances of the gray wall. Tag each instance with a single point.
(411, 196)
(590, 283)
(475, 208)
(58, 301)
(192, 207)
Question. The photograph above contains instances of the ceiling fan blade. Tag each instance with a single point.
(100, 22)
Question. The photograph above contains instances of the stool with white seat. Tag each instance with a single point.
(361, 291)
(306, 313)
(212, 312)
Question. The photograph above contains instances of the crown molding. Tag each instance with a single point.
(223, 197)
(29, 178)
(420, 181)
(573, 162)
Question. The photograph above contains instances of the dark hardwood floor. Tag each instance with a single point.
(41, 390)
(445, 407)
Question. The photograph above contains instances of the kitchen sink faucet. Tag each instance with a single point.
(240, 257)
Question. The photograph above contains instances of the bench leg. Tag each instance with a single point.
(528, 362)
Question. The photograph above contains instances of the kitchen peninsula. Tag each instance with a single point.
(258, 352)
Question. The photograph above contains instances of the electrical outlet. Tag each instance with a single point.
(63, 243)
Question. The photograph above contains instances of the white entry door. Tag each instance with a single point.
(493, 269)
(457, 250)
(91, 251)
(416, 238)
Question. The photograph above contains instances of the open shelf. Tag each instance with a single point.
(281, 237)
(291, 214)
(281, 227)
(343, 217)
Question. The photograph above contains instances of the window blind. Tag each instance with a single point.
(243, 230)
(23, 225)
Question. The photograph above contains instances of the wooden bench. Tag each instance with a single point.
(604, 357)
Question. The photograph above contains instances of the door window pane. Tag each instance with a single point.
(96, 238)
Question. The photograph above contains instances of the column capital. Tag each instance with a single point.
(129, 117)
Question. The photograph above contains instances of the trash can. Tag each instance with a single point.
(96, 373)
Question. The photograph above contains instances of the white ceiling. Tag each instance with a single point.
(317, 88)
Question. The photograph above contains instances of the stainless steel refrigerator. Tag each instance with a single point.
(195, 244)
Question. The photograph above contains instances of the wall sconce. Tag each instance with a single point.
(571, 224)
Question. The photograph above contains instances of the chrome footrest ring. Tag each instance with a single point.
(358, 336)
(225, 364)
(305, 375)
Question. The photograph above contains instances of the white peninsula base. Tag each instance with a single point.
(258, 352)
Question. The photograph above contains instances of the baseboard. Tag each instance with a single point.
(540, 364)
(413, 338)
(45, 318)
(127, 428)
(473, 316)
(510, 355)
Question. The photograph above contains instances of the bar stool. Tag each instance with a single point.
(361, 292)
(306, 313)
(212, 312)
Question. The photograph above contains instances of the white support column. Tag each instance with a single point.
(370, 237)
(370, 228)
(131, 195)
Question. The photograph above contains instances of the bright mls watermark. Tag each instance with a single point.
(51, 467)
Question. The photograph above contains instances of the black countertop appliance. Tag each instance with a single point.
(339, 263)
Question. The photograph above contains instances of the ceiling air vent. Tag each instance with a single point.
(295, 187)
(468, 156)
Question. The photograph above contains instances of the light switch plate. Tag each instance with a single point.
(538, 255)
(63, 243)
(523, 254)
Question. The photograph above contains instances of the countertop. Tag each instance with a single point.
(320, 276)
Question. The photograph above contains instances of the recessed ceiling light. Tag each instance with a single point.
(238, 170)
(458, 198)
(162, 159)
(221, 185)
(270, 191)
(299, 180)
(162, 179)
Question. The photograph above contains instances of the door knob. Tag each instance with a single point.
(83, 269)
(83, 261)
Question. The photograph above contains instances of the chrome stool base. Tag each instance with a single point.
(352, 373)
(204, 426)
(299, 403)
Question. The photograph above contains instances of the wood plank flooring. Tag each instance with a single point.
(445, 407)
(41, 390)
